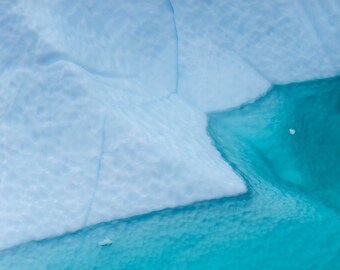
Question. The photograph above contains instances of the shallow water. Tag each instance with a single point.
(289, 219)
(296, 130)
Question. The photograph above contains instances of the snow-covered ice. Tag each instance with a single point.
(102, 104)
(230, 51)
(80, 145)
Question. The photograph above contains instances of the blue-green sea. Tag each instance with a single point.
(286, 147)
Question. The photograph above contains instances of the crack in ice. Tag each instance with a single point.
(99, 166)
(177, 48)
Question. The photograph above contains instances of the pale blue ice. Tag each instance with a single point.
(103, 104)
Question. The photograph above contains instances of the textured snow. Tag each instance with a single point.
(80, 145)
(230, 51)
(102, 104)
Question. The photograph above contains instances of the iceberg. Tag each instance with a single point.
(93, 130)
(103, 104)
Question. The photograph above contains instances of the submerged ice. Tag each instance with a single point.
(306, 156)
(102, 105)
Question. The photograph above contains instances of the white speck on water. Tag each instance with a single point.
(105, 242)
(291, 131)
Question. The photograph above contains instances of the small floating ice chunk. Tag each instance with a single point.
(291, 131)
(105, 242)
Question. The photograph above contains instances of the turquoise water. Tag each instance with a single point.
(289, 219)
(309, 158)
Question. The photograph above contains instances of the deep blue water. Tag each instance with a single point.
(289, 219)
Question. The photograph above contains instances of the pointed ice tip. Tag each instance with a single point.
(105, 242)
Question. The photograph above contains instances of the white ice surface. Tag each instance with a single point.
(78, 146)
(102, 103)
(105, 242)
(230, 51)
